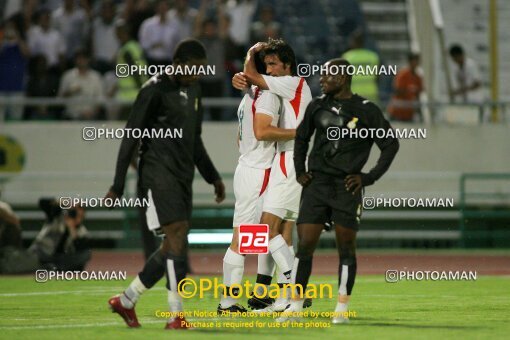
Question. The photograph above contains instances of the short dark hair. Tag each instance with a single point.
(284, 52)
(82, 52)
(413, 56)
(456, 50)
(340, 62)
(259, 63)
(189, 49)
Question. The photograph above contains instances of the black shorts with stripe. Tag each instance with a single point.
(325, 199)
(168, 204)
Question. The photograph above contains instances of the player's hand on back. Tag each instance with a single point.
(219, 190)
(305, 179)
(239, 81)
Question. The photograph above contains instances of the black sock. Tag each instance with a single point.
(153, 270)
(303, 272)
(264, 279)
(176, 270)
(351, 265)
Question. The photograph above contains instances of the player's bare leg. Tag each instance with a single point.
(233, 268)
(308, 235)
(174, 246)
(346, 245)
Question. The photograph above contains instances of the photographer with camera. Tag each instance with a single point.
(62, 243)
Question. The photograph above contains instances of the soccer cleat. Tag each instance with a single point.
(278, 306)
(232, 310)
(307, 303)
(338, 320)
(259, 303)
(290, 314)
(177, 323)
(129, 315)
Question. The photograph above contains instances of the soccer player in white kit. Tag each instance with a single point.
(281, 202)
(258, 114)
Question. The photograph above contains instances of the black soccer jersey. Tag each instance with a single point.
(175, 112)
(338, 149)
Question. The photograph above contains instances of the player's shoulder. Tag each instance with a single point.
(364, 103)
(154, 86)
(291, 80)
(318, 102)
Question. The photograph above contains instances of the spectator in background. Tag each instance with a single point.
(104, 39)
(241, 16)
(130, 53)
(135, 12)
(45, 40)
(24, 18)
(364, 85)
(466, 77)
(159, 35)
(266, 27)
(234, 57)
(408, 85)
(184, 16)
(213, 35)
(72, 22)
(13, 55)
(41, 83)
(84, 84)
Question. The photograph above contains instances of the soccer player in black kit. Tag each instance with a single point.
(166, 169)
(333, 183)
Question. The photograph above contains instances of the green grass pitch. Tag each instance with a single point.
(426, 309)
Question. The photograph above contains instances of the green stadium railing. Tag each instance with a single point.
(469, 211)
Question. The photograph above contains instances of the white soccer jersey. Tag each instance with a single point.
(296, 96)
(254, 153)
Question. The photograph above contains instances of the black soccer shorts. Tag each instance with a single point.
(325, 199)
(169, 203)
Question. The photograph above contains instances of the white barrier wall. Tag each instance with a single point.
(58, 162)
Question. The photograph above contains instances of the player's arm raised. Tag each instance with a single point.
(145, 100)
(250, 70)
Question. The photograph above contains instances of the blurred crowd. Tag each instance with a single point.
(70, 48)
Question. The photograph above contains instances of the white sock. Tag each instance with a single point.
(297, 305)
(282, 256)
(285, 293)
(131, 295)
(265, 266)
(233, 268)
(174, 301)
(341, 307)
